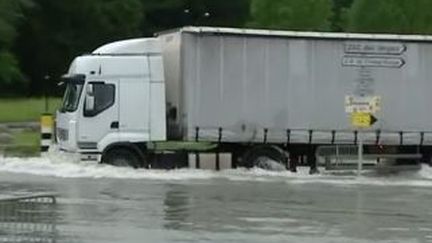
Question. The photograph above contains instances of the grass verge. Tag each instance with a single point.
(24, 144)
(25, 109)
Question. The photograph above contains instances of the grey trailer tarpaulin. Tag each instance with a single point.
(259, 84)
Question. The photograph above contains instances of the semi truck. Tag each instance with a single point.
(209, 97)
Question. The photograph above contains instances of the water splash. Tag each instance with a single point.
(63, 166)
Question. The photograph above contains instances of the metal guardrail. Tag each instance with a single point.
(28, 219)
(333, 150)
(345, 155)
(336, 156)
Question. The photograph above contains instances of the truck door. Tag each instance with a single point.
(135, 109)
(101, 123)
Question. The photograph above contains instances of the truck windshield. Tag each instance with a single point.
(71, 97)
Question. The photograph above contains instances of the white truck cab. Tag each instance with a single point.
(115, 95)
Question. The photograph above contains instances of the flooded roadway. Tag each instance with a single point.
(98, 203)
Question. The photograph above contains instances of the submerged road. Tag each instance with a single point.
(105, 204)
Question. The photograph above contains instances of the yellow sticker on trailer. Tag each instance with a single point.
(362, 119)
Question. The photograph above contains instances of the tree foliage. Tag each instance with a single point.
(41, 37)
(10, 16)
(166, 14)
(338, 19)
(291, 14)
(391, 16)
(57, 31)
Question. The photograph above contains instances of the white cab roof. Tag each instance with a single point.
(132, 46)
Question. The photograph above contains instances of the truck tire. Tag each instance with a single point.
(121, 157)
(265, 157)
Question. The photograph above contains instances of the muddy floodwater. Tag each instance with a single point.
(97, 203)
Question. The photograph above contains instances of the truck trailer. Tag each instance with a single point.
(207, 97)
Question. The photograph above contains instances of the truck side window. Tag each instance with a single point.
(104, 96)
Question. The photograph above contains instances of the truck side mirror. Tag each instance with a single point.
(89, 101)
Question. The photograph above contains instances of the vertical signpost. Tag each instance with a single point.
(367, 56)
(361, 110)
(360, 155)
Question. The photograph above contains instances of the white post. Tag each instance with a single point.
(360, 154)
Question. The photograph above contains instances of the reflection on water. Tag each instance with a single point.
(28, 219)
(176, 207)
(333, 214)
(251, 208)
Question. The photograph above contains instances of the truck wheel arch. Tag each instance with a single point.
(133, 148)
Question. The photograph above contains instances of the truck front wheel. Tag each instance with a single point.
(121, 157)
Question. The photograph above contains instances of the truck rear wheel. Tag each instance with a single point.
(265, 157)
(121, 157)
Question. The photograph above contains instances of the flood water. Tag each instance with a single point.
(99, 203)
